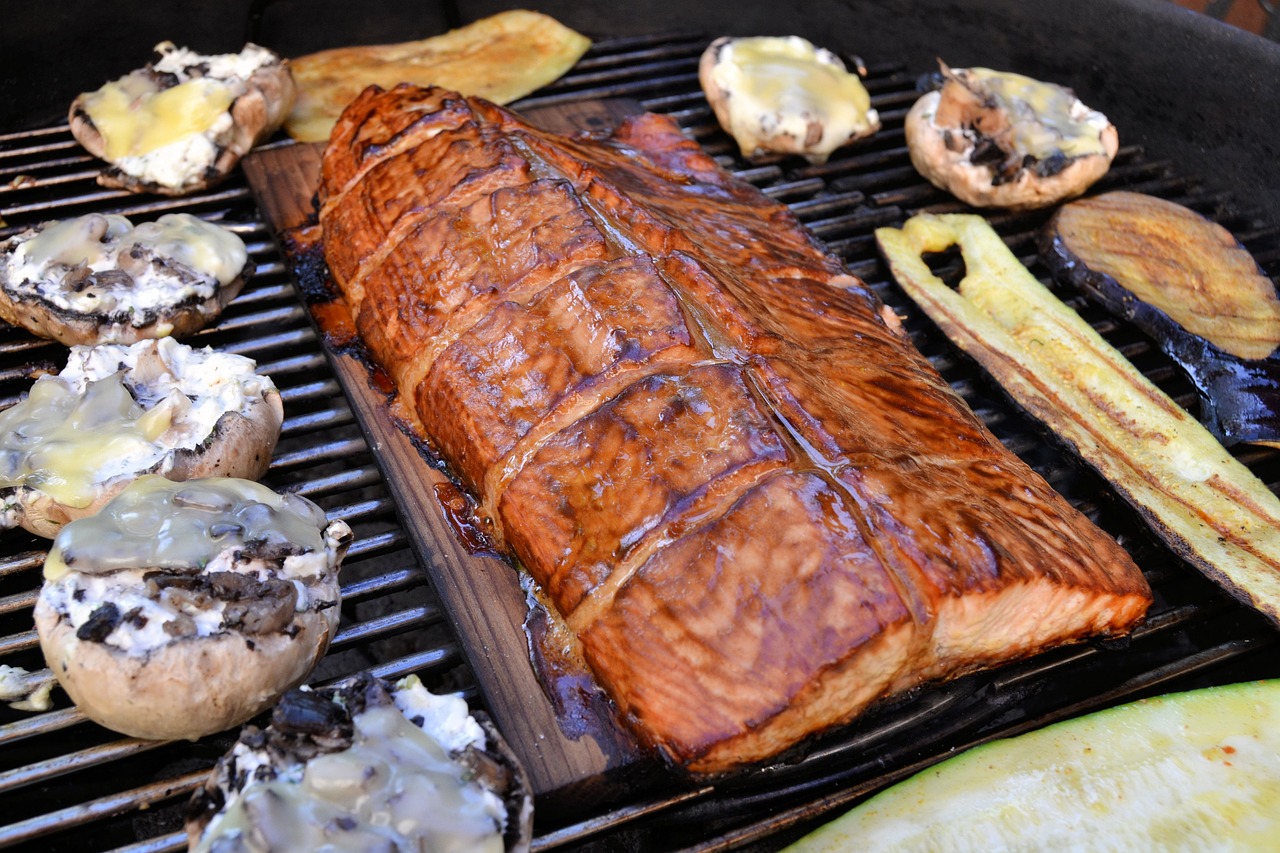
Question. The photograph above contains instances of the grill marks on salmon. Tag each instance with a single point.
(755, 504)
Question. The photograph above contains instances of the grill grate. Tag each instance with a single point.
(68, 785)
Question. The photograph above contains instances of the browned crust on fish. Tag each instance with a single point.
(755, 504)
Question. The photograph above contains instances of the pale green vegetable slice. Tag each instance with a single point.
(1189, 771)
(1206, 505)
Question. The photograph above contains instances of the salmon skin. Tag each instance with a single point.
(757, 507)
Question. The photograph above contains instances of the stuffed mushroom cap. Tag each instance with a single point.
(99, 279)
(366, 765)
(183, 609)
(181, 123)
(784, 95)
(117, 412)
(998, 139)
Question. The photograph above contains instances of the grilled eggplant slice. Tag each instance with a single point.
(182, 609)
(366, 765)
(784, 95)
(1207, 506)
(116, 412)
(98, 279)
(1175, 772)
(998, 139)
(181, 123)
(1187, 283)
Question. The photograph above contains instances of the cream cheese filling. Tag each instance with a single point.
(118, 411)
(78, 596)
(54, 263)
(398, 786)
(168, 130)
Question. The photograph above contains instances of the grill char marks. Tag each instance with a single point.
(755, 504)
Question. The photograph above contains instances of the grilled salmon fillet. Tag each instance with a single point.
(755, 504)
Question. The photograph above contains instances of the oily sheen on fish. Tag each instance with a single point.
(757, 507)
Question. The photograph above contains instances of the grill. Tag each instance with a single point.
(66, 784)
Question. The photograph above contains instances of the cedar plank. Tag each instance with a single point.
(575, 756)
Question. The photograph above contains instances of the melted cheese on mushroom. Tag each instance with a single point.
(160, 524)
(1031, 122)
(787, 87)
(167, 122)
(136, 115)
(117, 410)
(155, 265)
(208, 526)
(397, 787)
(1045, 117)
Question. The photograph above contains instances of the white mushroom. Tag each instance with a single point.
(366, 765)
(182, 123)
(997, 139)
(784, 95)
(99, 279)
(116, 412)
(182, 609)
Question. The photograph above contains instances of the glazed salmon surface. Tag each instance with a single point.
(755, 504)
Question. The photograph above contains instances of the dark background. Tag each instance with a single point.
(1183, 85)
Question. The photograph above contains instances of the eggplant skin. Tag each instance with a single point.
(1189, 285)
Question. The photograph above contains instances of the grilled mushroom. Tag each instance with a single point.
(784, 95)
(365, 766)
(98, 279)
(182, 609)
(997, 139)
(182, 123)
(116, 412)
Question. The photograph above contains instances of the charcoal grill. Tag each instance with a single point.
(66, 784)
